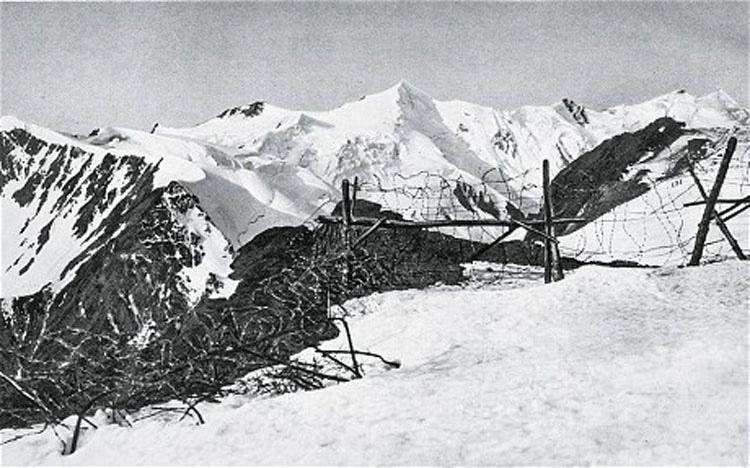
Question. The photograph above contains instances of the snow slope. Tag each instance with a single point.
(610, 366)
(243, 195)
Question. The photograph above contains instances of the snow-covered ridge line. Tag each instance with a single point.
(719, 99)
(677, 104)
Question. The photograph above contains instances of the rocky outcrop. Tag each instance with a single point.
(250, 110)
(577, 111)
(601, 179)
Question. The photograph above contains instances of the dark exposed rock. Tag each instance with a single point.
(594, 183)
(577, 111)
(368, 209)
(25, 195)
(250, 110)
(505, 142)
(26, 267)
(469, 197)
(43, 236)
(287, 277)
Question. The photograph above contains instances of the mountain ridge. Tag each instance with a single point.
(264, 166)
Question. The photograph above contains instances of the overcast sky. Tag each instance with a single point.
(75, 66)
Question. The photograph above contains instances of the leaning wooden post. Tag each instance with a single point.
(547, 223)
(700, 238)
(487, 247)
(346, 210)
(719, 217)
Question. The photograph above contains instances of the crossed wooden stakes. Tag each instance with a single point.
(710, 201)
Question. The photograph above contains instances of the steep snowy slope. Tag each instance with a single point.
(244, 194)
(390, 139)
(100, 249)
(606, 368)
(402, 133)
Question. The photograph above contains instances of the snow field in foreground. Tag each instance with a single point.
(609, 366)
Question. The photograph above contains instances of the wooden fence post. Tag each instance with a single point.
(346, 204)
(346, 214)
(547, 222)
(557, 273)
(708, 212)
(355, 189)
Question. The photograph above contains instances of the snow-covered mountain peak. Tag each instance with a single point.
(394, 93)
(404, 84)
(236, 127)
(377, 113)
(9, 123)
(714, 110)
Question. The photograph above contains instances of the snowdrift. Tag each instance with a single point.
(610, 366)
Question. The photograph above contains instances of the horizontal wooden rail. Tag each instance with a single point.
(726, 216)
(404, 224)
(375, 223)
(719, 201)
(487, 247)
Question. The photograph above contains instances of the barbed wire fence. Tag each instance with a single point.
(653, 221)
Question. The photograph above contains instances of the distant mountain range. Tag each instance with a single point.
(258, 166)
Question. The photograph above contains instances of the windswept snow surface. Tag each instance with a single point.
(609, 366)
